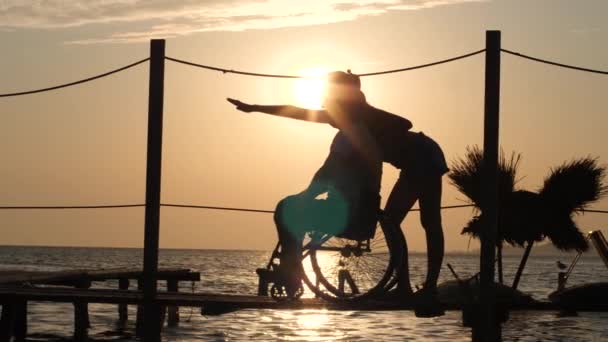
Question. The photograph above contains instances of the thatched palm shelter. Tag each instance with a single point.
(526, 217)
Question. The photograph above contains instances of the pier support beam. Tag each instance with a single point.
(81, 324)
(20, 324)
(81, 315)
(139, 319)
(123, 312)
(7, 322)
(173, 311)
(152, 310)
(13, 322)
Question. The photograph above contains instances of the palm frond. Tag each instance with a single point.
(526, 216)
(467, 175)
(520, 218)
(473, 227)
(564, 234)
(574, 185)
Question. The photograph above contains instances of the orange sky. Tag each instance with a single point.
(86, 144)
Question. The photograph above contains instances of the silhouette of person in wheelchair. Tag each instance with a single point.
(351, 178)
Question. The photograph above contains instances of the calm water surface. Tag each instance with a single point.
(234, 272)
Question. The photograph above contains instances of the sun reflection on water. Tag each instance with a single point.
(316, 326)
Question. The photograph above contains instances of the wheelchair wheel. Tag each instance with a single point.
(340, 269)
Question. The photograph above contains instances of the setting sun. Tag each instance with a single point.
(308, 92)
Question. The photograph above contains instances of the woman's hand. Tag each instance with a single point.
(243, 107)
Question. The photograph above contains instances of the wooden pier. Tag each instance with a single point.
(17, 288)
(73, 286)
(212, 303)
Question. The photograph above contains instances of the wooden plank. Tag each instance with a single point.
(73, 276)
(163, 274)
(14, 277)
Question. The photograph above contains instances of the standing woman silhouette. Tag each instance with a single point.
(418, 157)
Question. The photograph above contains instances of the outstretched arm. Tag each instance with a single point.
(286, 111)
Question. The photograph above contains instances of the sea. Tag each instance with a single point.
(233, 272)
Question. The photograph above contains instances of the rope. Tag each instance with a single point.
(593, 211)
(111, 206)
(554, 63)
(272, 211)
(75, 206)
(216, 208)
(247, 73)
(257, 74)
(76, 82)
(424, 65)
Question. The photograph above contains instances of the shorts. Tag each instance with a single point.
(425, 158)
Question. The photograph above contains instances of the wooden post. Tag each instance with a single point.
(173, 311)
(81, 314)
(81, 325)
(123, 312)
(139, 316)
(487, 327)
(163, 316)
(7, 321)
(501, 278)
(20, 325)
(153, 186)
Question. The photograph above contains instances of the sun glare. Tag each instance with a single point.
(308, 92)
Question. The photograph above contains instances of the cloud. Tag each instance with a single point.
(171, 18)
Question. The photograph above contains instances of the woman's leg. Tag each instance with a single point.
(402, 198)
(288, 241)
(430, 217)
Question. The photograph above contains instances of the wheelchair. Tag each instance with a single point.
(354, 265)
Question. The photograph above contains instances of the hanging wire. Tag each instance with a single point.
(75, 82)
(554, 63)
(248, 73)
(111, 206)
